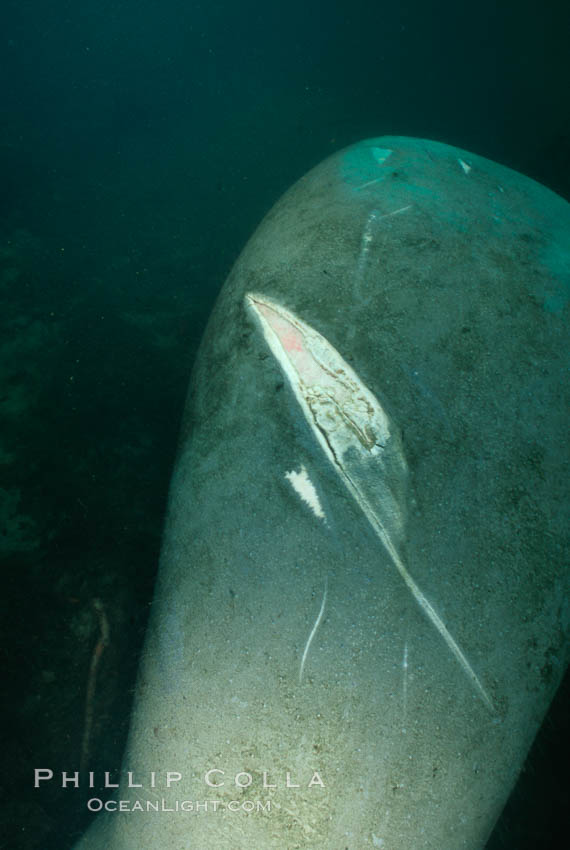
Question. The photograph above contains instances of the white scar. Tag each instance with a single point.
(355, 434)
(313, 631)
(305, 489)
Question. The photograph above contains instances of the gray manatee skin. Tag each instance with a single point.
(442, 280)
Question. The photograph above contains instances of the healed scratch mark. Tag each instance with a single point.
(369, 183)
(313, 631)
(405, 686)
(396, 212)
(367, 236)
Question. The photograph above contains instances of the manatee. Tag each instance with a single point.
(361, 612)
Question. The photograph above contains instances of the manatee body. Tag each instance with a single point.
(361, 608)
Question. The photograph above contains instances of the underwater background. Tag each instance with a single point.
(140, 145)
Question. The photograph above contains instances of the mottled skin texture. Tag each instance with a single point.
(445, 292)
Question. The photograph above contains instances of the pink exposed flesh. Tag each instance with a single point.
(293, 344)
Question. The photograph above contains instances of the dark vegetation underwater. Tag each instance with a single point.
(140, 145)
